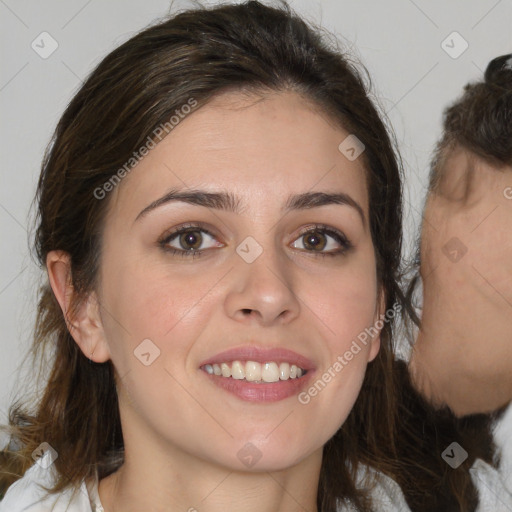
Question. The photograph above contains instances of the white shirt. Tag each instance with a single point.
(503, 439)
(27, 495)
(493, 494)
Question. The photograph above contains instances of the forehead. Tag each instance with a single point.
(261, 148)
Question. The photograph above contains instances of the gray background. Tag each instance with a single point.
(399, 41)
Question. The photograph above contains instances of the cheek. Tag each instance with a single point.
(491, 251)
(146, 296)
(349, 321)
(347, 302)
(149, 302)
(472, 253)
(156, 316)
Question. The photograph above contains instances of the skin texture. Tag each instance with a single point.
(182, 433)
(463, 354)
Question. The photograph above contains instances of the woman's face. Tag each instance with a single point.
(245, 276)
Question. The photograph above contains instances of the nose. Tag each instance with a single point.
(262, 291)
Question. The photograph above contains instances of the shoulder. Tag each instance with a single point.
(28, 494)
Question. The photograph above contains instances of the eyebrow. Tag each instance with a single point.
(230, 203)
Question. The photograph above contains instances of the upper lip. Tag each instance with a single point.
(260, 355)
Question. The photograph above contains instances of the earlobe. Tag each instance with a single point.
(84, 323)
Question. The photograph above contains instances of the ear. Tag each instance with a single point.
(379, 311)
(85, 325)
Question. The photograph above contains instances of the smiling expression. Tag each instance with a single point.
(246, 227)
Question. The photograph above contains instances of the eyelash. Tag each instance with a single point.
(321, 228)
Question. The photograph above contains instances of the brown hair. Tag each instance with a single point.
(480, 121)
(136, 88)
(424, 433)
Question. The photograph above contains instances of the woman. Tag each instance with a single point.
(220, 220)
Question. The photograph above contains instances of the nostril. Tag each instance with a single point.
(246, 311)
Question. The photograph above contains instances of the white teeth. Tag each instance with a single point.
(270, 372)
(284, 371)
(253, 371)
(226, 370)
(237, 370)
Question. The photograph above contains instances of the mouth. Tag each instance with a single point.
(259, 375)
(253, 371)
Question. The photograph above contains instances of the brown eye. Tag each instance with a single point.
(323, 241)
(191, 240)
(314, 240)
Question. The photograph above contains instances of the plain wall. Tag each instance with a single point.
(399, 41)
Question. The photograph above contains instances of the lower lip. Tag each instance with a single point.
(264, 392)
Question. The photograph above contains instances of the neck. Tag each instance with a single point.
(171, 480)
